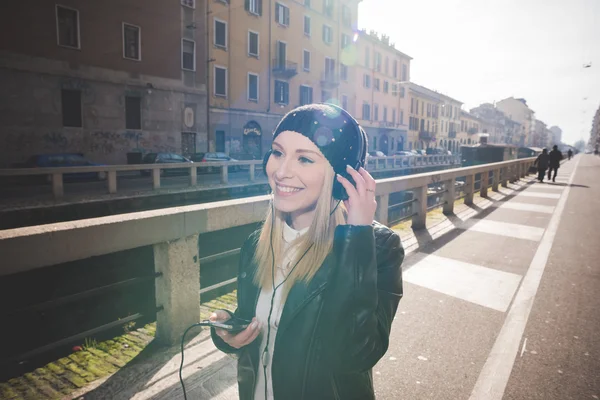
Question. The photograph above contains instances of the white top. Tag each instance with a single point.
(262, 315)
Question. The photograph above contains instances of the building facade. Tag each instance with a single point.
(267, 57)
(556, 135)
(424, 109)
(470, 127)
(102, 79)
(517, 110)
(449, 123)
(380, 96)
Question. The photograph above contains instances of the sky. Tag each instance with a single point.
(479, 51)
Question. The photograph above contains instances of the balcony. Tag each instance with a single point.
(426, 135)
(386, 124)
(330, 80)
(284, 69)
(452, 135)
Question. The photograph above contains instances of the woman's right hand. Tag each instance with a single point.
(240, 339)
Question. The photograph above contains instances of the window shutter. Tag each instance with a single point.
(259, 7)
(286, 93)
(286, 15)
(247, 5)
(277, 12)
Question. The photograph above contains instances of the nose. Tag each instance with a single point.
(283, 169)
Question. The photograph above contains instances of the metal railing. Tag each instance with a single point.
(57, 174)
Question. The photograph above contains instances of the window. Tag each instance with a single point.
(404, 73)
(376, 84)
(375, 112)
(253, 44)
(386, 86)
(343, 72)
(328, 8)
(189, 3)
(282, 92)
(402, 92)
(282, 14)
(306, 60)
(367, 81)
(394, 116)
(307, 25)
(395, 69)
(384, 114)
(71, 108)
(133, 112)
(366, 111)
(188, 55)
(325, 96)
(220, 34)
(345, 40)
(253, 6)
(345, 102)
(327, 34)
(387, 66)
(131, 42)
(401, 117)
(252, 87)
(307, 3)
(67, 27)
(329, 67)
(220, 81)
(306, 95)
(367, 57)
(377, 61)
(346, 16)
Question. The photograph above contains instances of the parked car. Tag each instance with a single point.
(404, 153)
(166, 158)
(64, 160)
(215, 157)
(376, 153)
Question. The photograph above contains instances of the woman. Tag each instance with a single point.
(336, 272)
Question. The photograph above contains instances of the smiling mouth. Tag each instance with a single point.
(286, 190)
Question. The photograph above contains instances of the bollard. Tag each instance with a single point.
(112, 182)
(252, 172)
(193, 176)
(449, 196)
(178, 289)
(57, 185)
(383, 203)
(469, 189)
(419, 218)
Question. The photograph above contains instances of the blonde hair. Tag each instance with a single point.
(317, 242)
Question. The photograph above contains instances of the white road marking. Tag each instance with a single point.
(513, 205)
(539, 194)
(506, 229)
(476, 284)
(494, 376)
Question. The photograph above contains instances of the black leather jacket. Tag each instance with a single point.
(334, 329)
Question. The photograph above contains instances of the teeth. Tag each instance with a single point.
(286, 189)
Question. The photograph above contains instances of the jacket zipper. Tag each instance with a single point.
(336, 395)
(310, 347)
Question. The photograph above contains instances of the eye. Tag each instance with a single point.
(276, 153)
(304, 160)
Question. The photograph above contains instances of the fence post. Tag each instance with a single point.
(112, 182)
(449, 196)
(523, 170)
(178, 289)
(469, 189)
(496, 180)
(224, 174)
(156, 178)
(419, 207)
(57, 185)
(252, 172)
(193, 176)
(504, 177)
(485, 178)
(383, 203)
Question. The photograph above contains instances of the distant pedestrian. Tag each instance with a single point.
(542, 164)
(555, 157)
(570, 153)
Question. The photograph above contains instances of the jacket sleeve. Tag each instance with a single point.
(245, 255)
(363, 295)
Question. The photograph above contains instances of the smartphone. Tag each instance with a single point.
(233, 325)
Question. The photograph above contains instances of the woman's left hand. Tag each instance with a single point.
(361, 203)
